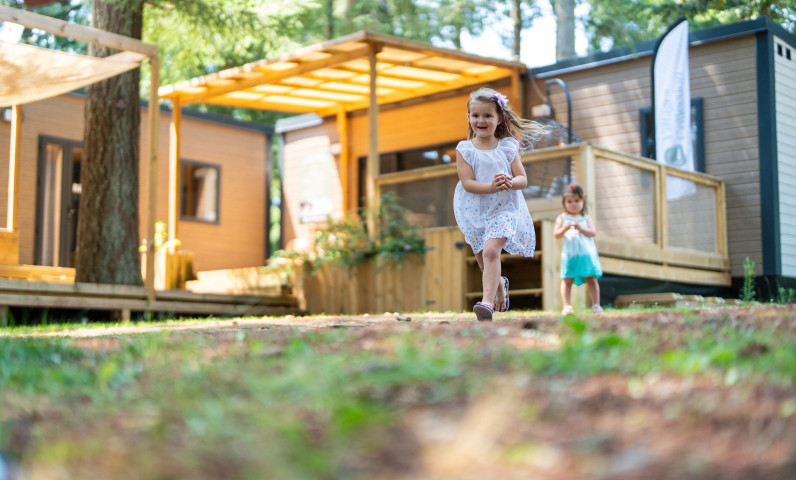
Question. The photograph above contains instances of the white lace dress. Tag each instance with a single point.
(503, 214)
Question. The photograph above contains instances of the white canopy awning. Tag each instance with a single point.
(29, 73)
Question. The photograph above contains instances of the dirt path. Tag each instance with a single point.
(553, 426)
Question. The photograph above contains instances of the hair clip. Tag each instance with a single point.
(570, 186)
(501, 100)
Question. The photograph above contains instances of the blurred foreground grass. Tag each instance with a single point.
(253, 400)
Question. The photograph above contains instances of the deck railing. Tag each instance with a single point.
(654, 221)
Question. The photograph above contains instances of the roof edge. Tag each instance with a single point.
(642, 49)
(167, 91)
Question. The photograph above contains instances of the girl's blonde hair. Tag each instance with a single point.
(511, 124)
(574, 190)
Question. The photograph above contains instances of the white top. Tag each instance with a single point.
(503, 214)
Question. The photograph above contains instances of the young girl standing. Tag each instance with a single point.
(579, 260)
(488, 203)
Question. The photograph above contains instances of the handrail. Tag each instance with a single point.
(584, 158)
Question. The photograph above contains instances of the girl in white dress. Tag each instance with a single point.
(488, 204)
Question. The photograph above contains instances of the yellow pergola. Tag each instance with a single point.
(363, 70)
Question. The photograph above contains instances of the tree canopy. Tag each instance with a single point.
(613, 24)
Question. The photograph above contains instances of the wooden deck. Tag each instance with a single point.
(124, 300)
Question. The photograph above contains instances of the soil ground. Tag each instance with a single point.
(603, 426)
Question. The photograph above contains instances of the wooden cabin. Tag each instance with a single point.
(223, 176)
(381, 114)
(385, 114)
(743, 90)
(222, 205)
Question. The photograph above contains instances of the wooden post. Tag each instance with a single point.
(13, 168)
(586, 173)
(661, 209)
(517, 92)
(174, 172)
(78, 32)
(721, 220)
(345, 153)
(551, 267)
(152, 184)
(373, 143)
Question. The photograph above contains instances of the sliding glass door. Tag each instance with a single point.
(57, 201)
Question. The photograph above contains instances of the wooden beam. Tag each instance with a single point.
(721, 217)
(431, 88)
(647, 252)
(243, 79)
(373, 170)
(345, 154)
(77, 32)
(13, 167)
(661, 208)
(631, 268)
(517, 92)
(551, 266)
(174, 171)
(152, 183)
(588, 178)
(441, 52)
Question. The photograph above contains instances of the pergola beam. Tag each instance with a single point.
(77, 32)
(252, 78)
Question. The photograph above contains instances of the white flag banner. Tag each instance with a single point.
(672, 107)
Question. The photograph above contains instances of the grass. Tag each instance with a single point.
(293, 402)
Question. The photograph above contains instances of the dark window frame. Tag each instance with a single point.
(399, 159)
(182, 206)
(697, 118)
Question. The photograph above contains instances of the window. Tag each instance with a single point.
(428, 200)
(418, 158)
(697, 134)
(199, 191)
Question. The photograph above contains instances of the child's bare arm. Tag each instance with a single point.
(589, 230)
(560, 227)
(518, 180)
(470, 184)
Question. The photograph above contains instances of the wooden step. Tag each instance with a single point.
(129, 298)
(251, 280)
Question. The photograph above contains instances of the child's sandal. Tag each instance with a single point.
(483, 312)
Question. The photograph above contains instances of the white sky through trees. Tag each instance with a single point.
(538, 42)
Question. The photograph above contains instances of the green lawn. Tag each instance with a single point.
(630, 394)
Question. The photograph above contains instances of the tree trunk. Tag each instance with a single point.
(516, 17)
(329, 19)
(565, 28)
(107, 232)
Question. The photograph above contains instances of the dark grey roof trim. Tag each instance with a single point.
(643, 49)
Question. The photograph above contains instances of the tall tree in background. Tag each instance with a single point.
(451, 18)
(565, 28)
(522, 14)
(107, 230)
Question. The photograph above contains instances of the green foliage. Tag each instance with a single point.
(785, 296)
(612, 24)
(748, 289)
(346, 242)
(328, 400)
(71, 11)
